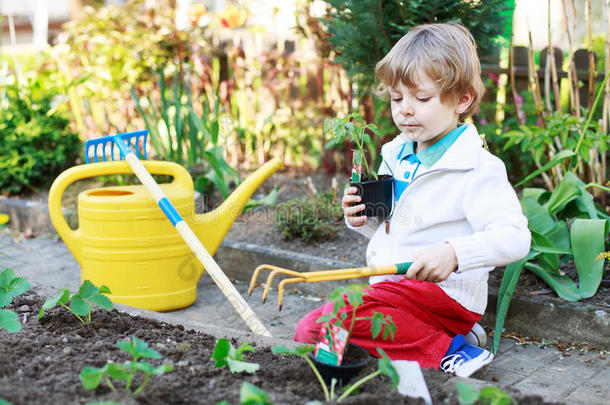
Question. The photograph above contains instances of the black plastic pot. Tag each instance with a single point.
(376, 196)
(344, 372)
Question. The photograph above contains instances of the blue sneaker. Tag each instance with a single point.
(477, 336)
(464, 359)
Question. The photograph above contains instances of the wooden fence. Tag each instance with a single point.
(521, 55)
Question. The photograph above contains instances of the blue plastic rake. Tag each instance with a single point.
(133, 140)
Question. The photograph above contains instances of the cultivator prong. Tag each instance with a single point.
(254, 284)
(322, 275)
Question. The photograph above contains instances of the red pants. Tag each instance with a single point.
(426, 321)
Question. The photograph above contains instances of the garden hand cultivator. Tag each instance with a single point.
(124, 143)
(323, 275)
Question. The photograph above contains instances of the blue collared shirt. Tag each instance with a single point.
(409, 162)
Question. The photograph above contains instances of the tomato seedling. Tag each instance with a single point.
(81, 304)
(384, 366)
(91, 377)
(226, 355)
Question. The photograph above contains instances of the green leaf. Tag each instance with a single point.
(560, 236)
(163, 368)
(11, 286)
(588, 237)
(4, 402)
(87, 289)
(494, 396)
(557, 159)
(221, 352)
(250, 394)
(105, 290)
(117, 371)
(377, 322)
(61, 298)
(237, 366)
(298, 351)
(467, 394)
(562, 285)
(142, 366)
(244, 347)
(505, 294)
(538, 217)
(385, 366)
(79, 306)
(101, 301)
(9, 321)
(137, 348)
(91, 377)
(567, 190)
(550, 260)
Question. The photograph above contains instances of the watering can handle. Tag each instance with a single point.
(72, 238)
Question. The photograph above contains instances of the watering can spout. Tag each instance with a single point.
(212, 227)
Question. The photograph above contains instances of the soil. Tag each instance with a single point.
(42, 363)
(258, 227)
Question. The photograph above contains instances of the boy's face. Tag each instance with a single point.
(419, 113)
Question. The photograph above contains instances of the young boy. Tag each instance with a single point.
(455, 215)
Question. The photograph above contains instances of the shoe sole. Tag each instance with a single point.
(470, 367)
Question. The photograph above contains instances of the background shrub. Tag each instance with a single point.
(312, 220)
(36, 143)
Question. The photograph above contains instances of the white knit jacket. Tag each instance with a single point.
(464, 199)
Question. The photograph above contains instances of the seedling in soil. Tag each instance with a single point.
(226, 355)
(384, 366)
(81, 304)
(250, 394)
(352, 295)
(491, 395)
(351, 128)
(91, 377)
(10, 287)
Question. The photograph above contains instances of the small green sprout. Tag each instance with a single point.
(226, 355)
(491, 395)
(384, 366)
(81, 303)
(352, 295)
(250, 394)
(91, 377)
(10, 287)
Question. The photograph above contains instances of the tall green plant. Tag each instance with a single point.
(565, 224)
(179, 133)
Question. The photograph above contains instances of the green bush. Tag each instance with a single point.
(362, 32)
(311, 220)
(36, 143)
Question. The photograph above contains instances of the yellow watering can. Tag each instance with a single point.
(126, 242)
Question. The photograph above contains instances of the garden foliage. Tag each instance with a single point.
(179, 133)
(36, 143)
(311, 220)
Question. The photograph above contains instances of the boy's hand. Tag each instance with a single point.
(434, 264)
(350, 211)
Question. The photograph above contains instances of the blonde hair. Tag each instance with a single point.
(447, 53)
